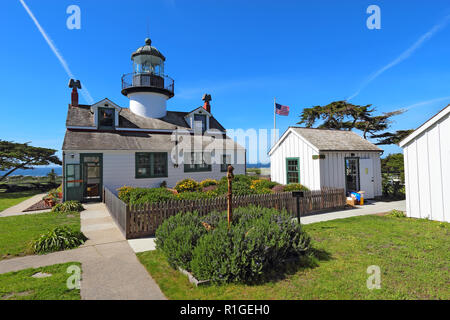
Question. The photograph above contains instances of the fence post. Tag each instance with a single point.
(230, 177)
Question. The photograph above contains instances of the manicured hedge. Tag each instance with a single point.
(258, 241)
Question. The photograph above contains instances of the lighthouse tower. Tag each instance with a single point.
(147, 87)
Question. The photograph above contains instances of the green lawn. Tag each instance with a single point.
(11, 199)
(20, 285)
(413, 255)
(16, 232)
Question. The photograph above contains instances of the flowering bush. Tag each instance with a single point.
(208, 182)
(262, 186)
(188, 184)
(124, 193)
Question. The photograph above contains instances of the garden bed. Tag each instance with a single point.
(256, 243)
(40, 205)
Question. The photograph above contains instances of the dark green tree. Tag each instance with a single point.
(391, 137)
(15, 156)
(342, 115)
(393, 176)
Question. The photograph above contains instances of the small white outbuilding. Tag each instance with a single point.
(320, 158)
(427, 169)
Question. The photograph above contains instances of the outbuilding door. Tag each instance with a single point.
(367, 178)
(73, 183)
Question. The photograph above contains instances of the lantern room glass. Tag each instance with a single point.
(148, 66)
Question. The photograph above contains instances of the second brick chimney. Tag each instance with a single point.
(207, 99)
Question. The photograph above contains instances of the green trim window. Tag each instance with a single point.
(106, 118)
(226, 160)
(197, 162)
(292, 170)
(151, 164)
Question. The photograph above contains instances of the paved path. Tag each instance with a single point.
(110, 269)
(18, 208)
(372, 207)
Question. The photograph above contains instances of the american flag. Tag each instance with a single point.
(281, 110)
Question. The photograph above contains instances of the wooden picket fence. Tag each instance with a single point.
(142, 220)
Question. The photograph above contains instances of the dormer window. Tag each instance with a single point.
(200, 122)
(106, 118)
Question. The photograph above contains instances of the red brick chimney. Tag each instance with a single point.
(207, 99)
(74, 101)
(74, 84)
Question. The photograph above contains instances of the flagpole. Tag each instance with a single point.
(274, 119)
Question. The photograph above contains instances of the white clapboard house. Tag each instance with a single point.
(144, 145)
(320, 158)
(427, 169)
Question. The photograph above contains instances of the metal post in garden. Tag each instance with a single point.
(230, 177)
(298, 195)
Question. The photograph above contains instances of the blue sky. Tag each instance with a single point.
(244, 53)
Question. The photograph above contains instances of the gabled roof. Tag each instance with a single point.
(82, 116)
(436, 118)
(195, 110)
(330, 140)
(119, 140)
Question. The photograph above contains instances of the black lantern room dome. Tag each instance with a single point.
(148, 49)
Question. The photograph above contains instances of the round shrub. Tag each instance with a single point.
(208, 182)
(68, 206)
(178, 236)
(295, 187)
(60, 238)
(188, 185)
(258, 241)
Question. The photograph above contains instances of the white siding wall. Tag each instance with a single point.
(119, 170)
(295, 147)
(333, 169)
(427, 173)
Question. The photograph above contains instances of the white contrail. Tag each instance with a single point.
(424, 103)
(63, 62)
(405, 55)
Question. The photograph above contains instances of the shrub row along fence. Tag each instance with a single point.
(143, 219)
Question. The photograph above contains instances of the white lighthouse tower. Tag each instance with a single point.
(148, 88)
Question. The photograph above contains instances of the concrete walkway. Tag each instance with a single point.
(18, 208)
(110, 269)
(372, 207)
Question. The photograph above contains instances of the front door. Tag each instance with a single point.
(92, 167)
(367, 178)
(352, 174)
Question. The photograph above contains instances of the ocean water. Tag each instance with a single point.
(36, 172)
(43, 171)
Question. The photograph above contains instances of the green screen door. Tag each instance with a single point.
(73, 182)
